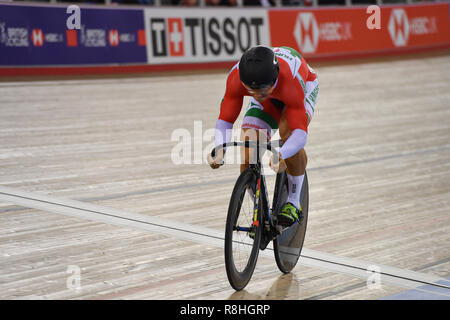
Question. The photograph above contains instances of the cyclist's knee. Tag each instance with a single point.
(284, 131)
(244, 166)
(303, 157)
(250, 134)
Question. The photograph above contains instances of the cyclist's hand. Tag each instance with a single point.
(217, 161)
(278, 167)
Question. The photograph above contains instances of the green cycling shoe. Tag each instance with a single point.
(289, 214)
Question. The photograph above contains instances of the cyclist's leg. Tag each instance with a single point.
(296, 165)
(250, 134)
(259, 123)
(295, 172)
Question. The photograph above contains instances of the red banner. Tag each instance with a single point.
(336, 32)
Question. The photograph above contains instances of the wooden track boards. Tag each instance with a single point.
(379, 171)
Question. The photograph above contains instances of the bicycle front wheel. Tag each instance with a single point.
(243, 232)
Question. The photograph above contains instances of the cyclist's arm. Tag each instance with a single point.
(223, 132)
(229, 109)
(294, 143)
(298, 122)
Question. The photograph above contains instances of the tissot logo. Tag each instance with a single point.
(211, 37)
(37, 37)
(398, 27)
(306, 32)
(176, 39)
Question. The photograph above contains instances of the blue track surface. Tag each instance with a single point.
(426, 292)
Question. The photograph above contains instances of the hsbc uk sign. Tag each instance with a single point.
(308, 32)
(203, 35)
(401, 27)
(404, 27)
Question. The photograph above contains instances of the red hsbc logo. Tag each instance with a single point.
(37, 36)
(113, 38)
(176, 43)
(306, 32)
(398, 27)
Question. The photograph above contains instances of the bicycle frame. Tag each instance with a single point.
(270, 230)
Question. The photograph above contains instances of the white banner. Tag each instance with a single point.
(207, 35)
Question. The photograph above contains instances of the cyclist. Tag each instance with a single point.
(283, 90)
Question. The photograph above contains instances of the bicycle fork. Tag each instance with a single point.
(255, 210)
(270, 230)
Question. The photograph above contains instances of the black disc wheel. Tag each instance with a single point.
(288, 246)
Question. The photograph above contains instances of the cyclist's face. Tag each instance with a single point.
(260, 94)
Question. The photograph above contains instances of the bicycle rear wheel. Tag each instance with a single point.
(242, 235)
(288, 246)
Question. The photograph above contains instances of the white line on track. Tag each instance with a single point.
(207, 236)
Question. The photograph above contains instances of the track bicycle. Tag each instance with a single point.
(252, 224)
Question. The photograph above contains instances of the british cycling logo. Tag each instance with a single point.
(20, 37)
(398, 27)
(13, 36)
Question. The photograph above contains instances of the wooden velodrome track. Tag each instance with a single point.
(89, 190)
